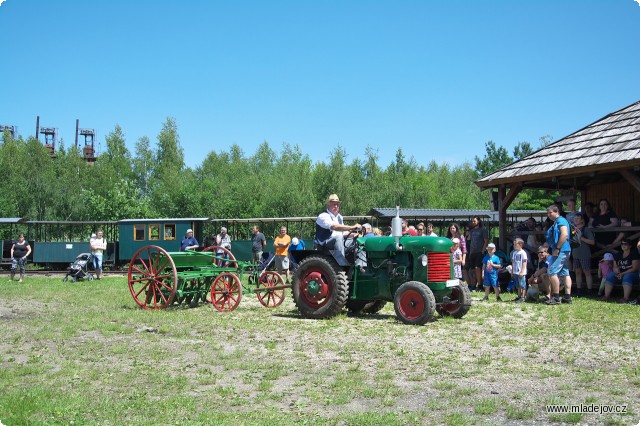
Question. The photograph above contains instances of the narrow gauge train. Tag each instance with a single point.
(55, 244)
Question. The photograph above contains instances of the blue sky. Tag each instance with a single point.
(437, 78)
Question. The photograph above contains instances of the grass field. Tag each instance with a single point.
(84, 353)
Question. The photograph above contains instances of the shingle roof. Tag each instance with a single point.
(612, 141)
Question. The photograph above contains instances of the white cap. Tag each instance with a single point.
(367, 225)
(608, 256)
(455, 240)
(189, 230)
(491, 245)
(295, 241)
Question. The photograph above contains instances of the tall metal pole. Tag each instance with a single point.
(77, 124)
(37, 126)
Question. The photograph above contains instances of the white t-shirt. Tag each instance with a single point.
(100, 245)
(517, 259)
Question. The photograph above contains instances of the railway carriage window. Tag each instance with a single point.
(154, 232)
(170, 232)
(138, 233)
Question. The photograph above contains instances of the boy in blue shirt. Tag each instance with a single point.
(490, 266)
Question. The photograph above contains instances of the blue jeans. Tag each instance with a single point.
(97, 261)
(335, 244)
(627, 279)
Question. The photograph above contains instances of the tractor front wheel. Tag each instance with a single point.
(320, 287)
(457, 304)
(414, 303)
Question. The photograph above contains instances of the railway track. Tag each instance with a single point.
(62, 273)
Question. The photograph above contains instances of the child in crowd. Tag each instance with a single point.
(490, 266)
(519, 268)
(605, 267)
(457, 258)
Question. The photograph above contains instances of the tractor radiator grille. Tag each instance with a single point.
(439, 267)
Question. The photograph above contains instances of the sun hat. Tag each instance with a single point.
(333, 197)
(189, 230)
(608, 256)
(455, 240)
(295, 241)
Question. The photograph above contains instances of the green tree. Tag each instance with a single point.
(522, 149)
(123, 200)
(494, 159)
(12, 161)
(143, 165)
(167, 182)
(37, 197)
(116, 160)
(170, 155)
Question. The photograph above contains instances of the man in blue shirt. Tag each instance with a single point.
(189, 242)
(558, 241)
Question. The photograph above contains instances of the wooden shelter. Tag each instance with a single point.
(601, 160)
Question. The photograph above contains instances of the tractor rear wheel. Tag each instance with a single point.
(320, 287)
(414, 303)
(458, 304)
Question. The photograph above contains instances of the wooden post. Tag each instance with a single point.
(504, 201)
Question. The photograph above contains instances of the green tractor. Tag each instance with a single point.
(415, 273)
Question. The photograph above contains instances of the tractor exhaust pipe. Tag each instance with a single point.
(396, 228)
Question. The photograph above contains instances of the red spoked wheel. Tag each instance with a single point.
(414, 303)
(226, 292)
(229, 260)
(152, 277)
(270, 297)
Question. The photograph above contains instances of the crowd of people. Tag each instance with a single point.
(550, 272)
(541, 263)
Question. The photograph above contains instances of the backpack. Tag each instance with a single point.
(575, 236)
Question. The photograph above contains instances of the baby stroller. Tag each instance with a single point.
(79, 269)
(263, 265)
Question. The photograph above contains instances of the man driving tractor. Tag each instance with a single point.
(331, 230)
